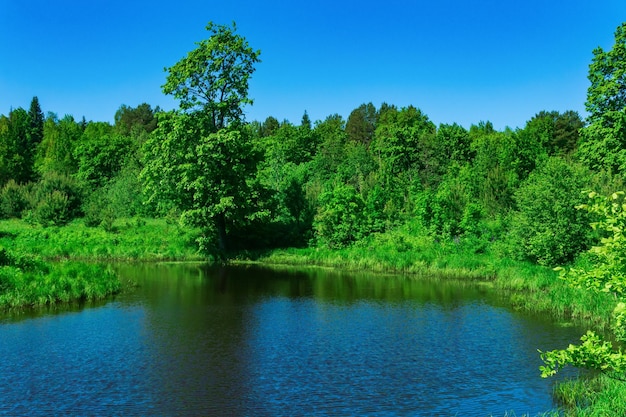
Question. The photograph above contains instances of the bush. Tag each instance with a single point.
(547, 228)
(52, 209)
(99, 211)
(340, 220)
(55, 200)
(447, 208)
(13, 200)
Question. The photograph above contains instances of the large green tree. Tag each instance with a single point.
(200, 159)
(603, 142)
(101, 154)
(361, 123)
(135, 120)
(55, 153)
(20, 134)
(214, 77)
(607, 74)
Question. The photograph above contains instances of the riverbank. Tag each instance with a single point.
(529, 287)
(49, 265)
(405, 250)
(26, 281)
(135, 239)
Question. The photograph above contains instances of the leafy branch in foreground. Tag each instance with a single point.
(608, 275)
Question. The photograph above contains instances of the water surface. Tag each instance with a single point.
(246, 341)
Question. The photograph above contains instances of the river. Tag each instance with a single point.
(193, 340)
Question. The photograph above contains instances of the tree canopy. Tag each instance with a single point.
(214, 76)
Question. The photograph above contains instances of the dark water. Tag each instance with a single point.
(243, 341)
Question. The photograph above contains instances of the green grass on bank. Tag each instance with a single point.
(26, 281)
(129, 240)
(596, 397)
(42, 266)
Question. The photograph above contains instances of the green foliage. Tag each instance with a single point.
(331, 150)
(453, 145)
(591, 397)
(546, 134)
(99, 210)
(361, 124)
(206, 175)
(214, 76)
(56, 150)
(339, 220)
(202, 161)
(27, 282)
(13, 199)
(603, 142)
(447, 207)
(101, 154)
(66, 188)
(134, 239)
(593, 353)
(493, 178)
(131, 121)
(547, 228)
(608, 274)
(403, 141)
(607, 75)
(268, 127)
(450, 212)
(52, 209)
(15, 147)
(20, 134)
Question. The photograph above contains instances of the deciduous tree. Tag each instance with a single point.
(214, 77)
(199, 158)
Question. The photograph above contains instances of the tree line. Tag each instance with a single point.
(332, 182)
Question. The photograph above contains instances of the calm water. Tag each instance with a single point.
(192, 340)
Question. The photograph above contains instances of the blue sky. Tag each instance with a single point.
(458, 61)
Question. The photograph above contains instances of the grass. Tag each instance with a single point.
(26, 281)
(599, 396)
(28, 278)
(129, 240)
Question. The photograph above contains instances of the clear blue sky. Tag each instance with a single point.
(459, 61)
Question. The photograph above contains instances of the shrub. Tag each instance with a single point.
(546, 227)
(55, 200)
(99, 211)
(340, 220)
(13, 199)
(52, 209)
(448, 207)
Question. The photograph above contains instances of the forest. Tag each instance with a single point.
(527, 194)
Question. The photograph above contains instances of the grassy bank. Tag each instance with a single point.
(529, 287)
(129, 240)
(41, 266)
(26, 281)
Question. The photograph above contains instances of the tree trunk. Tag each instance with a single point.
(220, 222)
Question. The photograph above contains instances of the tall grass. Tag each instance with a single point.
(600, 396)
(28, 282)
(128, 239)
